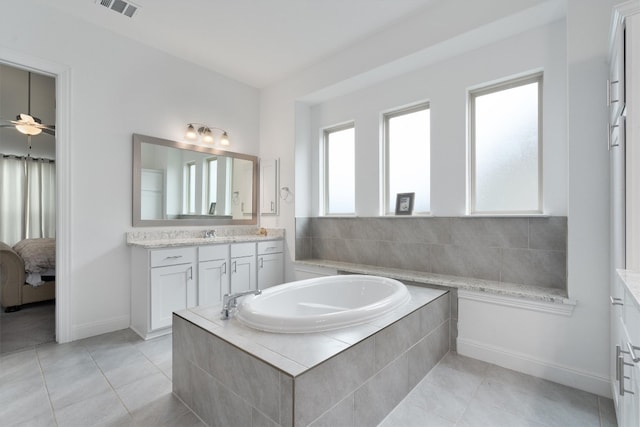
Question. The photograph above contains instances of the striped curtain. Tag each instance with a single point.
(27, 198)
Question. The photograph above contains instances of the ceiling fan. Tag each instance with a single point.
(26, 123)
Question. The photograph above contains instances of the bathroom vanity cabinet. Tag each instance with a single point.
(243, 267)
(213, 273)
(270, 264)
(164, 280)
(625, 338)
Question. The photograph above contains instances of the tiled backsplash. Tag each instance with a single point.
(526, 250)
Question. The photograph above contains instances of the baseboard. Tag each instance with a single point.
(87, 330)
(551, 371)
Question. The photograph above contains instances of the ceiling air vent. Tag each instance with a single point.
(125, 8)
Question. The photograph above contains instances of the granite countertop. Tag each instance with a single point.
(631, 279)
(166, 239)
(550, 295)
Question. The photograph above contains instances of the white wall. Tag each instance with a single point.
(568, 349)
(571, 350)
(424, 39)
(117, 87)
(445, 86)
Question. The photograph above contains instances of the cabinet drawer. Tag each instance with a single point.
(213, 252)
(243, 249)
(172, 256)
(270, 247)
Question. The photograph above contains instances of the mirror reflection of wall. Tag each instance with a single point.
(242, 185)
(178, 183)
(193, 181)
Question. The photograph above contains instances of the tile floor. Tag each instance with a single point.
(465, 392)
(34, 324)
(117, 379)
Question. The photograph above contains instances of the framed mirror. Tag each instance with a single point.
(175, 183)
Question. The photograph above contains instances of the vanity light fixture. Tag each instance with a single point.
(199, 129)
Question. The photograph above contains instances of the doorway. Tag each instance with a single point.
(61, 74)
(27, 208)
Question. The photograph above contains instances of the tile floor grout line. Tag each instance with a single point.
(109, 382)
(46, 387)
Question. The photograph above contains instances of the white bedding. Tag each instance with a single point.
(39, 256)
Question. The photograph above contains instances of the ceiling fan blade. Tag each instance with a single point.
(28, 125)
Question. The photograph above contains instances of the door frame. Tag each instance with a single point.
(62, 74)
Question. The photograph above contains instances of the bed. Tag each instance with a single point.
(27, 273)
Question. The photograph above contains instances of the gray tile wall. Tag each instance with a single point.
(224, 385)
(527, 250)
(361, 385)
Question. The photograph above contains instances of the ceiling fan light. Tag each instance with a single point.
(28, 129)
(224, 140)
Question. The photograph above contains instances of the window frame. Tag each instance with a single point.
(425, 105)
(325, 168)
(189, 195)
(486, 90)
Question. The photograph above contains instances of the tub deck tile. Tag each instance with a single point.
(325, 378)
(294, 354)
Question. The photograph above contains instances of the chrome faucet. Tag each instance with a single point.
(229, 301)
(210, 233)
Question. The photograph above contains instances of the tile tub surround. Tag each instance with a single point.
(230, 374)
(529, 251)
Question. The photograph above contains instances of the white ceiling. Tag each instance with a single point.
(258, 42)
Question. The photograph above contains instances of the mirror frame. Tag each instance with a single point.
(137, 174)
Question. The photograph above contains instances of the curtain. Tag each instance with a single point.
(27, 198)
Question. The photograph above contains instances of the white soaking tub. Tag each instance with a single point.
(322, 304)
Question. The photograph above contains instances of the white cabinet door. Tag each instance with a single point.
(172, 289)
(213, 281)
(243, 274)
(269, 187)
(628, 408)
(616, 321)
(270, 270)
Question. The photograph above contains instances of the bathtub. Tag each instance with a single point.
(322, 304)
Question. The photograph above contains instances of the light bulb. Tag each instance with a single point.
(207, 136)
(224, 140)
(191, 132)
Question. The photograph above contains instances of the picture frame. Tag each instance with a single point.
(404, 203)
(212, 208)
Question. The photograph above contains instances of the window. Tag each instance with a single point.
(339, 170)
(212, 182)
(505, 147)
(190, 186)
(408, 156)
